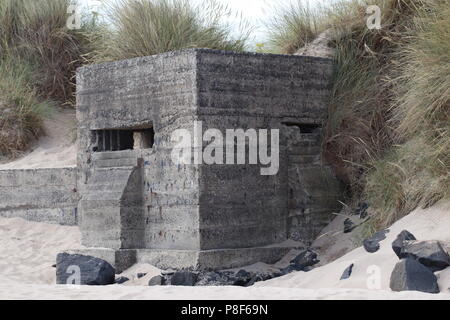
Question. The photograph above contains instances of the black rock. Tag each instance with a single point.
(347, 272)
(349, 226)
(157, 281)
(121, 280)
(305, 259)
(53, 265)
(287, 270)
(429, 253)
(361, 211)
(242, 278)
(167, 272)
(372, 244)
(254, 279)
(308, 269)
(410, 275)
(278, 274)
(397, 245)
(243, 274)
(141, 275)
(92, 271)
(216, 279)
(268, 276)
(184, 278)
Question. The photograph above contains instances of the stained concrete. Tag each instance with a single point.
(202, 216)
(41, 195)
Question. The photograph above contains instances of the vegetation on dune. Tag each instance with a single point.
(35, 38)
(387, 135)
(36, 31)
(21, 111)
(294, 25)
(38, 56)
(420, 159)
(147, 27)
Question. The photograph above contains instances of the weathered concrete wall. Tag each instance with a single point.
(203, 210)
(42, 195)
(161, 91)
(238, 206)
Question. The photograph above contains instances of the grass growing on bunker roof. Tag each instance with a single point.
(147, 27)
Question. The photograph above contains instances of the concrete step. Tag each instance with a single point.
(115, 163)
(119, 175)
(114, 155)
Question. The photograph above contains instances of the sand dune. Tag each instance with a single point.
(428, 224)
(29, 249)
(56, 149)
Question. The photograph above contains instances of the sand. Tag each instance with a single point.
(429, 224)
(29, 249)
(56, 149)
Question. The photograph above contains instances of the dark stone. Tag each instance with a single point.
(429, 253)
(347, 272)
(349, 226)
(267, 276)
(53, 265)
(361, 211)
(372, 244)
(184, 278)
(243, 274)
(305, 259)
(216, 279)
(397, 245)
(157, 281)
(287, 270)
(93, 271)
(279, 274)
(410, 275)
(308, 269)
(167, 272)
(141, 275)
(242, 278)
(254, 279)
(121, 280)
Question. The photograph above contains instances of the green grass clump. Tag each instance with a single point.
(387, 135)
(294, 25)
(43, 39)
(21, 112)
(420, 162)
(147, 27)
(39, 55)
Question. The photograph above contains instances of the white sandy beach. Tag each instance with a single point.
(29, 249)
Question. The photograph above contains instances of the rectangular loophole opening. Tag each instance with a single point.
(122, 139)
(304, 127)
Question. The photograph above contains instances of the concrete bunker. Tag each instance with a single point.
(136, 205)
